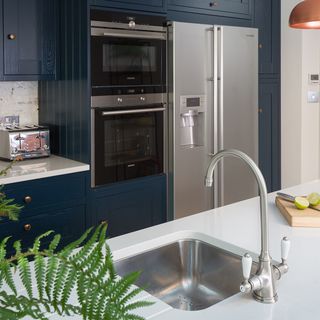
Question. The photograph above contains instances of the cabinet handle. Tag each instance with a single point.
(213, 4)
(27, 227)
(12, 36)
(260, 46)
(27, 199)
(260, 110)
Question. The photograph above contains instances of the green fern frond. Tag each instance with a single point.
(88, 271)
(25, 274)
(7, 206)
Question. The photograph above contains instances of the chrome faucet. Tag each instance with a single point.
(262, 284)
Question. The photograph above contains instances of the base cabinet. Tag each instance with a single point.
(57, 204)
(136, 206)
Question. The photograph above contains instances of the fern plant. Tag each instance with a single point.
(7, 206)
(88, 273)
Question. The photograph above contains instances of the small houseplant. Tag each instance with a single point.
(83, 269)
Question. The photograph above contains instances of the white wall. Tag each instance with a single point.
(20, 98)
(300, 132)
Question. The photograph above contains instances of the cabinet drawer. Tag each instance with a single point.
(69, 222)
(214, 7)
(50, 192)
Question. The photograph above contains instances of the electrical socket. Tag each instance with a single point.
(9, 120)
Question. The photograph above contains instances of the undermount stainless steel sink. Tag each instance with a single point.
(188, 274)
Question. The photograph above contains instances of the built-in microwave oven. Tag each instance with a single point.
(127, 58)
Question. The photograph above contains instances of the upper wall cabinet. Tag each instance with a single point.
(230, 8)
(29, 39)
(143, 5)
(267, 20)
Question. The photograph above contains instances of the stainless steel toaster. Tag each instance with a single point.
(27, 142)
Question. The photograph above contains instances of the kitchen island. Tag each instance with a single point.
(239, 225)
(234, 227)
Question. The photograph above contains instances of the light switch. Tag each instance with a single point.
(313, 96)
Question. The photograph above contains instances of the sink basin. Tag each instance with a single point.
(187, 274)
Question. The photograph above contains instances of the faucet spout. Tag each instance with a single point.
(262, 191)
(262, 285)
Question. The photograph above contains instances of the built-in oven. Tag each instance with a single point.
(128, 142)
(128, 102)
(127, 58)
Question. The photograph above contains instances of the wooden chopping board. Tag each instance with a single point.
(298, 218)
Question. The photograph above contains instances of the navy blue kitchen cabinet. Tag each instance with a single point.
(56, 203)
(269, 133)
(267, 20)
(267, 17)
(141, 5)
(128, 207)
(29, 30)
(229, 8)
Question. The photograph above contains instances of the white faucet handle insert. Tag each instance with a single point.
(246, 266)
(285, 248)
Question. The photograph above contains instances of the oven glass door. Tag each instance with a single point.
(127, 146)
(120, 61)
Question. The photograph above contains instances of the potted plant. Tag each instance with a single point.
(83, 269)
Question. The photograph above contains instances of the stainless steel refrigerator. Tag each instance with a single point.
(213, 105)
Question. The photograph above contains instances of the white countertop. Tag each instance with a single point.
(40, 168)
(239, 225)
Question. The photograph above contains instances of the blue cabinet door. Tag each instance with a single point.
(269, 133)
(29, 39)
(132, 206)
(267, 20)
(229, 8)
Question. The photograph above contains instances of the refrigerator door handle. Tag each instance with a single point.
(216, 189)
(219, 131)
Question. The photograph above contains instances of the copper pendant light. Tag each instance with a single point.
(306, 15)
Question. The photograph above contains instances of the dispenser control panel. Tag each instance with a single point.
(196, 103)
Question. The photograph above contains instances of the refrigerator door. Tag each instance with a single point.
(236, 103)
(190, 107)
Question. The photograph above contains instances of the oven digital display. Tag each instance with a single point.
(193, 102)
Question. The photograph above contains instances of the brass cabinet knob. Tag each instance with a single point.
(260, 46)
(27, 199)
(260, 110)
(12, 36)
(27, 227)
(213, 4)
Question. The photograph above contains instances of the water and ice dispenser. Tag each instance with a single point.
(192, 115)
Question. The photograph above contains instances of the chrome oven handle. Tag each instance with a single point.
(98, 32)
(111, 113)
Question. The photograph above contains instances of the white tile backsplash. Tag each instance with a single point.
(20, 98)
